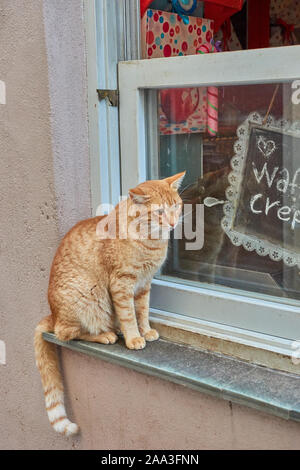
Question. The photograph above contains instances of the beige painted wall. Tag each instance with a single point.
(44, 190)
(119, 408)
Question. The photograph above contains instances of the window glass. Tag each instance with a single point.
(240, 146)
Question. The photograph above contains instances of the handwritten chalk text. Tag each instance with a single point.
(260, 204)
(296, 93)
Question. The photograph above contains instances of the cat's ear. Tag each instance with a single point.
(137, 196)
(176, 180)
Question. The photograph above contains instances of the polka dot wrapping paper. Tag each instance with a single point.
(181, 111)
(289, 12)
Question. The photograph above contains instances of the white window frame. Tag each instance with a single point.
(112, 34)
(224, 313)
(237, 316)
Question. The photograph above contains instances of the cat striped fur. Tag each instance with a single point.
(99, 286)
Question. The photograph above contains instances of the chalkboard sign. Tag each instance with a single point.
(262, 212)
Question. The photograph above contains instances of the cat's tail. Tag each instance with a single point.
(47, 363)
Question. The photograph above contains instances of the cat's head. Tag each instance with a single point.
(158, 202)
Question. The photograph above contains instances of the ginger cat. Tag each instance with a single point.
(99, 285)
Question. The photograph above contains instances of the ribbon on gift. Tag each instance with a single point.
(212, 93)
(144, 4)
(184, 8)
(226, 30)
(221, 10)
(288, 30)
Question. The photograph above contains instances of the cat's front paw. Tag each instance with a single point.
(136, 343)
(151, 335)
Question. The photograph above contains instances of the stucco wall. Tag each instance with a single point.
(44, 189)
(118, 408)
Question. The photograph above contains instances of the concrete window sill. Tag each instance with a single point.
(227, 378)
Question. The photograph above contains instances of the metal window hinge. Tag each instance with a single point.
(111, 95)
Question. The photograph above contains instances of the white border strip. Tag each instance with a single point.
(2, 353)
(2, 92)
(266, 317)
(224, 332)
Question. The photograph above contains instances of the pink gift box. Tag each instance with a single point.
(164, 35)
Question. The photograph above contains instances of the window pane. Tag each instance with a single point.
(240, 146)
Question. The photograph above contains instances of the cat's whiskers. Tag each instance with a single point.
(183, 216)
(186, 187)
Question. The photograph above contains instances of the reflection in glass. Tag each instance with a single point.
(270, 173)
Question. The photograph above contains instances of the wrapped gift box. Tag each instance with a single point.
(166, 34)
(286, 12)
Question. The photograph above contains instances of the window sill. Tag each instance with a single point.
(263, 350)
(223, 377)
